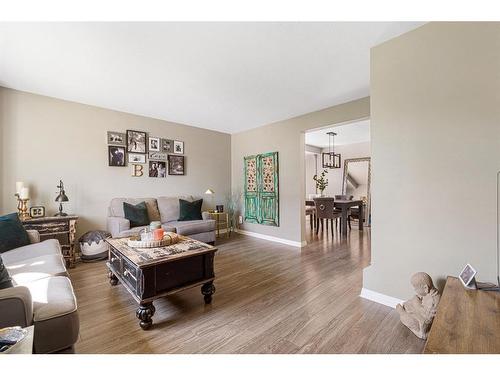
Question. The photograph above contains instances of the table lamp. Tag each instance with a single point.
(61, 198)
(211, 193)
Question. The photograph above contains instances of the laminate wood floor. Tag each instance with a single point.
(270, 298)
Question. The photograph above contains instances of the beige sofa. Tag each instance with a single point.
(163, 209)
(42, 295)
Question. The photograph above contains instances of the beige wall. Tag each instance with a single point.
(435, 128)
(46, 139)
(287, 137)
(312, 165)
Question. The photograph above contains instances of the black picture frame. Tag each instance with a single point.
(141, 146)
(37, 211)
(114, 159)
(176, 165)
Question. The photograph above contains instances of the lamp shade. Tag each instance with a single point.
(62, 197)
(209, 192)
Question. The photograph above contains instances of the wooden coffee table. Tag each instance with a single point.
(149, 274)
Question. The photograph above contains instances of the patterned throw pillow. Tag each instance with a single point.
(137, 215)
(12, 233)
(190, 210)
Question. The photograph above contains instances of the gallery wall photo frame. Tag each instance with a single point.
(167, 145)
(136, 158)
(178, 147)
(160, 156)
(136, 141)
(116, 138)
(157, 168)
(154, 144)
(176, 165)
(116, 156)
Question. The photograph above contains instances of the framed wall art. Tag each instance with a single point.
(167, 145)
(136, 141)
(136, 158)
(116, 156)
(116, 138)
(154, 144)
(157, 156)
(176, 165)
(157, 169)
(178, 147)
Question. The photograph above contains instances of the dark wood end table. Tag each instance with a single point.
(57, 227)
(149, 274)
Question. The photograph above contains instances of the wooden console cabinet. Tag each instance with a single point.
(467, 321)
(62, 228)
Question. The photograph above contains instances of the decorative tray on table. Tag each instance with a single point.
(169, 238)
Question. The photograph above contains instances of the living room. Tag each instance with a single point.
(161, 200)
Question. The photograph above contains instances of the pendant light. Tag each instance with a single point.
(331, 159)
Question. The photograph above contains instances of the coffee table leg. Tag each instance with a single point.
(207, 290)
(144, 313)
(113, 280)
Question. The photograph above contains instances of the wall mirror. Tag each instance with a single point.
(356, 182)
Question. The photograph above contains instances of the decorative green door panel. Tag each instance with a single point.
(251, 209)
(262, 189)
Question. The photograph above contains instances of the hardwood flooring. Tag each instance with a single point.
(270, 298)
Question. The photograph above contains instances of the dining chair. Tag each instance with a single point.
(325, 210)
(345, 198)
(311, 212)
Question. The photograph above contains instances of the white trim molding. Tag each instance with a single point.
(380, 298)
(272, 238)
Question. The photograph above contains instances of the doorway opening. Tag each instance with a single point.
(337, 181)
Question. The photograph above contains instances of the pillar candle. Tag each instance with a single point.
(25, 193)
(19, 186)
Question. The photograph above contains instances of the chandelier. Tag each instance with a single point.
(331, 159)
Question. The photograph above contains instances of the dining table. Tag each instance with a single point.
(344, 205)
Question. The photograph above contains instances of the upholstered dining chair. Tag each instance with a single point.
(345, 198)
(325, 210)
(311, 212)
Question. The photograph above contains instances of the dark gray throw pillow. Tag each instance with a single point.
(12, 233)
(5, 280)
(136, 214)
(190, 210)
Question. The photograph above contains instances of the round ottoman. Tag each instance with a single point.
(93, 245)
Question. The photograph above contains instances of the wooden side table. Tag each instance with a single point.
(59, 227)
(220, 223)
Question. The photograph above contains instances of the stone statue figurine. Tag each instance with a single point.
(418, 313)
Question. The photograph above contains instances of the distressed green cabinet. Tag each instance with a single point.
(262, 189)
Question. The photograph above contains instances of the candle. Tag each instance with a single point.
(19, 186)
(25, 193)
(158, 234)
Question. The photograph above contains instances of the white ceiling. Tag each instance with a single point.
(355, 132)
(222, 76)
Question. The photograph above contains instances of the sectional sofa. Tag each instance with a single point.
(42, 295)
(163, 209)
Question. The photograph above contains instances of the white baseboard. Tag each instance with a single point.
(380, 298)
(272, 238)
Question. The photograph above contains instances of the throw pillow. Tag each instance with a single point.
(5, 280)
(190, 210)
(137, 215)
(12, 233)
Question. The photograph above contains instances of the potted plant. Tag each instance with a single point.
(232, 206)
(321, 181)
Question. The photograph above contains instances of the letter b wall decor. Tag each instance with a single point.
(262, 189)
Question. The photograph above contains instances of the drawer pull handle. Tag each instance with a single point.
(128, 273)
